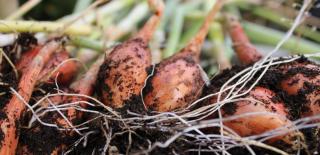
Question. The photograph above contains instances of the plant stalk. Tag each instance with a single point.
(264, 35)
(276, 18)
(37, 26)
(91, 44)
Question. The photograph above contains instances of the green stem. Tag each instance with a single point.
(108, 9)
(192, 29)
(230, 6)
(126, 25)
(81, 5)
(173, 44)
(264, 35)
(90, 44)
(275, 18)
(175, 32)
(219, 51)
(36, 26)
(233, 9)
(168, 12)
(194, 23)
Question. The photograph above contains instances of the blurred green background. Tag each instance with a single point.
(54, 9)
(50, 9)
(46, 10)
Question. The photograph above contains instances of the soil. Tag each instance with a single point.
(26, 41)
(141, 139)
(134, 104)
(44, 140)
(11, 80)
(40, 139)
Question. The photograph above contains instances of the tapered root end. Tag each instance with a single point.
(194, 46)
(157, 6)
(245, 51)
(150, 27)
(59, 69)
(85, 85)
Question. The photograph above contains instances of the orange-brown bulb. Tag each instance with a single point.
(176, 82)
(266, 101)
(124, 72)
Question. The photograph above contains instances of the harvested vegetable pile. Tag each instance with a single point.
(195, 87)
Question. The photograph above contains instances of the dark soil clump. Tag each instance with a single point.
(43, 140)
(230, 108)
(26, 41)
(134, 104)
(10, 80)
